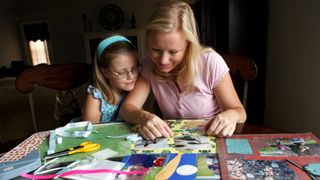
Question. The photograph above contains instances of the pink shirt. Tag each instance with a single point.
(201, 102)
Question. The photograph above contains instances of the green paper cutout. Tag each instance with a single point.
(313, 168)
(238, 146)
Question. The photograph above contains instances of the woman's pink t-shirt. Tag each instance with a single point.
(201, 102)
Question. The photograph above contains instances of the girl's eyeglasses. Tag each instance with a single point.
(125, 74)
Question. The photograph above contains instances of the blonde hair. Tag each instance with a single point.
(176, 15)
(103, 61)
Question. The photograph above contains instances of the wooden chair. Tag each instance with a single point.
(57, 76)
(242, 70)
(60, 77)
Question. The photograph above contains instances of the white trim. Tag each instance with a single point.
(33, 115)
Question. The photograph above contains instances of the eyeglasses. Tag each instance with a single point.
(125, 74)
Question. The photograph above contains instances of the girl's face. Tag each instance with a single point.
(167, 49)
(122, 72)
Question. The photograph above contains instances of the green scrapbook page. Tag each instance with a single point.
(110, 136)
(188, 137)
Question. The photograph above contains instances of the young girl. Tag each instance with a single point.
(116, 70)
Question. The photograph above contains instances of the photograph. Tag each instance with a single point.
(260, 169)
(288, 147)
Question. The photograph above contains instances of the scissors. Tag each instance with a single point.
(83, 147)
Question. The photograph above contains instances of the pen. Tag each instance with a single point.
(300, 167)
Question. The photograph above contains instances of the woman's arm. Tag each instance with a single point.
(151, 125)
(224, 124)
(91, 110)
(131, 110)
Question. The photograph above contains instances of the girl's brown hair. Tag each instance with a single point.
(103, 61)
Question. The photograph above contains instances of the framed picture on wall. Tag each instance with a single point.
(92, 40)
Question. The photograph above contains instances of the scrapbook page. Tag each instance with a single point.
(157, 163)
(208, 167)
(268, 156)
(188, 137)
(140, 161)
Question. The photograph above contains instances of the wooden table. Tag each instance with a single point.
(254, 129)
(123, 129)
(247, 129)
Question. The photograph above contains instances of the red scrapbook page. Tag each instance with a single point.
(268, 156)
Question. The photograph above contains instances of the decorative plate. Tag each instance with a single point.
(111, 17)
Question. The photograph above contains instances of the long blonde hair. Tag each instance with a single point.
(177, 15)
(103, 61)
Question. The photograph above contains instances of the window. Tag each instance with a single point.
(37, 37)
(39, 52)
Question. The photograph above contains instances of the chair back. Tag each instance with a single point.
(57, 76)
(242, 70)
(59, 90)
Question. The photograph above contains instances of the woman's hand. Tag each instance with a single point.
(131, 111)
(153, 127)
(223, 125)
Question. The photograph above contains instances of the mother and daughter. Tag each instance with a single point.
(188, 80)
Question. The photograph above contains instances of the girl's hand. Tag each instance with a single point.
(222, 125)
(153, 127)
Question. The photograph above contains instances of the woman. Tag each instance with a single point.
(188, 80)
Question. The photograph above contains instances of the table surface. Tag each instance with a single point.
(101, 136)
(107, 136)
(254, 129)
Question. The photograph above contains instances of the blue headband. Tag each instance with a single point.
(107, 42)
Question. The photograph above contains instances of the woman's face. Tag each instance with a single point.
(167, 49)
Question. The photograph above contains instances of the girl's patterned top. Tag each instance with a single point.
(109, 112)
